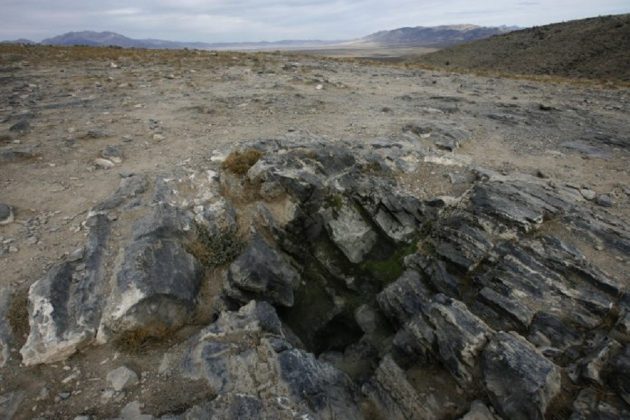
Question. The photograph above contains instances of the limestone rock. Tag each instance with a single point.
(65, 305)
(350, 232)
(6, 337)
(393, 396)
(405, 297)
(479, 411)
(619, 373)
(588, 405)
(520, 381)
(154, 292)
(230, 406)
(445, 135)
(288, 381)
(122, 378)
(459, 335)
(133, 411)
(260, 271)
(6, 214)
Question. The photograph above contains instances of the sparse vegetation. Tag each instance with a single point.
(391, 268)
(214, 250)
(239, 162)
(18, 315)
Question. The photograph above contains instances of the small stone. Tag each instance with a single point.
(122, 378)
(44, 393)
(96, 134)
(479, 411)
(107, 395)
(133, 410)
(76, 255)
(170, 76)
(367, 318)
(21, 126)
(64, 395)
(104, 163)
(588, 194)
(158, 137)
(6, 214)
(13, 249)
(112, 153)
(319, 87)
(604, 200)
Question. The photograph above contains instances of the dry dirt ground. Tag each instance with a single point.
(60, 108)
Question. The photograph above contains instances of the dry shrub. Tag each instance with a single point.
(239, 162)
(214, 249)
(18, 316)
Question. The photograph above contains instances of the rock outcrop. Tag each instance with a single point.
(336, 282)
(6, 337)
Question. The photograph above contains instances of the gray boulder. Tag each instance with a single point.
(522, 204)
(287, 382)
(460, 336)
(262, 272)
(520, 381)
(618, 373)
(154, 292)
(65, 305)
(405, 297)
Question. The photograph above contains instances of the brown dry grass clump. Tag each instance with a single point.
(239, 162)
(18, 316)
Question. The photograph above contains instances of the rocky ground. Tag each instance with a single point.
(200, 235)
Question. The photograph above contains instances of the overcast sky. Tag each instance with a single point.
(257, 20)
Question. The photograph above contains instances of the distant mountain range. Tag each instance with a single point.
(438, 36)
(103, 39)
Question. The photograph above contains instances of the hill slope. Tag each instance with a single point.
(437, 36)
(595, 48)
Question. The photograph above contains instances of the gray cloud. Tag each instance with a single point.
(248, 20)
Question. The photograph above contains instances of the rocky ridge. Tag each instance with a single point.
(304, 279)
